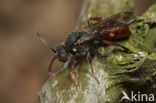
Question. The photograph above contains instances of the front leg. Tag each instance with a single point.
(51, 65)
(74, 64)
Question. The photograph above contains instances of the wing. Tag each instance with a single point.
(113, 23)
(123, 18)
(112, 27)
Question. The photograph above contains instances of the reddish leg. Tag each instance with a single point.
(118, 45)
(72, 71)
(91, 25)
(51, 65)
(96, 18)
(90, 62)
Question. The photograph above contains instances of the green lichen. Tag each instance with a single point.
(115, 69)
(150, 15)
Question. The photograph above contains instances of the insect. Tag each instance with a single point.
(84, 43)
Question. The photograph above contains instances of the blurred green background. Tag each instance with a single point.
(24, 59)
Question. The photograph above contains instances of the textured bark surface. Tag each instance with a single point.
(116, 70)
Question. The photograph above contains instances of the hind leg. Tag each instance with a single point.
(118, 45)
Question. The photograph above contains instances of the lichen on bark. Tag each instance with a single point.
(116, 70)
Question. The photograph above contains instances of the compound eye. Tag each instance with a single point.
(63, 58)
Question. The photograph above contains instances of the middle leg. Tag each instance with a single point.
(90, 62)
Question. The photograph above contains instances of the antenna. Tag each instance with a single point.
(45, 42)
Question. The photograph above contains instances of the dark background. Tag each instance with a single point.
(24, 59)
